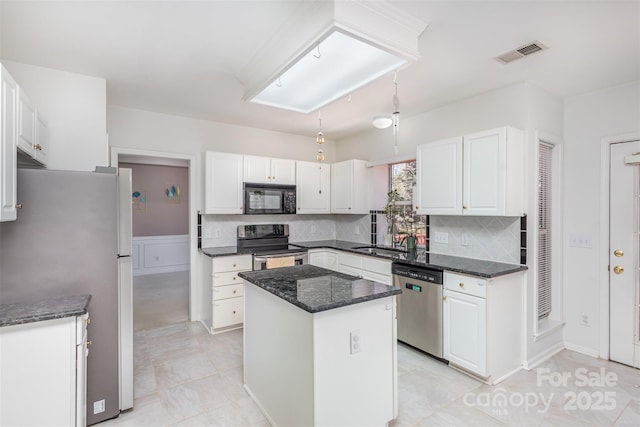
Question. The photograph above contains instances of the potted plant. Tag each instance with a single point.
(391, 212)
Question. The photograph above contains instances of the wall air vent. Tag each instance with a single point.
(520, 52)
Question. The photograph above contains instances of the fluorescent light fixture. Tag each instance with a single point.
(382, 122)
(327, 50)
(339, 65)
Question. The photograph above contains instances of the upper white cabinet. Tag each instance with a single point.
(26, 124)
(33, 132)
(223, 183)
(439, 178)
(349, 187)
(478, 174)
(8, 142)
(267, 170)
(41, 152)
(313, 187)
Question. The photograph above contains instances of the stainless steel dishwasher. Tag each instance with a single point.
(419, 307)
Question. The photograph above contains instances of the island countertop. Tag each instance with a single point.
(45, 309)
(315, 289)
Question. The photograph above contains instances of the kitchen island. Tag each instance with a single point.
(320, 347)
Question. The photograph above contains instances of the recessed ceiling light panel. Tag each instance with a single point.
(339, 65)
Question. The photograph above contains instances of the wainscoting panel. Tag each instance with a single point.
(160, 254)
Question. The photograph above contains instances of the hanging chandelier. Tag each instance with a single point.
(396, 114)
(320, 139)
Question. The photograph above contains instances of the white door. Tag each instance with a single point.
(312, 187)
(624, 225)
(341, 186)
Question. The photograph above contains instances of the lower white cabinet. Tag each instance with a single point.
(223, 299)
(43, 373)
(482, 321)
(367, 267)
(324, 258)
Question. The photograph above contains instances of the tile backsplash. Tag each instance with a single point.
(488, 238)
(223, 228)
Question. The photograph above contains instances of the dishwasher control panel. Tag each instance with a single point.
(417, 273)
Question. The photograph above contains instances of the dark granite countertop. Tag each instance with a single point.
(224, 251)
(422, 258)
(46, 309)
(315, 289)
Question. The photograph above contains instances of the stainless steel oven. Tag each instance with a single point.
(269, 244)
(267, 261)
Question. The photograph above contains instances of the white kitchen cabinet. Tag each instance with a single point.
(43, 373)
(313, 190)
(8, 143)
(223, 302)
(223, 183)
(267, 170)
(26, 124)
(324, 258)
(41, 149)
(439, 178)
(367, 267)
(349, 187)
(482, 321)
(480, 174)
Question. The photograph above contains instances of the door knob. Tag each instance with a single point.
(444, 298)
(618, 270)
(618, 253)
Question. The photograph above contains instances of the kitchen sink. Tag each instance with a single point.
(385, 252)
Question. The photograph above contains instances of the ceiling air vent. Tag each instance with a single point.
(520, 52)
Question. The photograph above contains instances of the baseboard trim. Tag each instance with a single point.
(542, 357)
(583, 350)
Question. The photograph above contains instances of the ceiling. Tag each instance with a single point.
(183, 57)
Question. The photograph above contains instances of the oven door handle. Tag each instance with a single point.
(284, 255)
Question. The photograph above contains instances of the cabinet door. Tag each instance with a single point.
(41, 149)
(484, 173)
(465, 332)
(26, 124)
(312, 187)
(439, 178)
(8, 141)
(283, 172)
(257, 169)
(341, 187)
(223, 185)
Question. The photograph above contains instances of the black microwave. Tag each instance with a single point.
(269, 199)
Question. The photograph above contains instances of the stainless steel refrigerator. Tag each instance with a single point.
(73, 236)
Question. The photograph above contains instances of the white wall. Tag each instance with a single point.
(589, 118)
(75, 109)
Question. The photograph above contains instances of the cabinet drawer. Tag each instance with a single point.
(350, 260)
(228, 312)
(227, 278)
(232, 263)
(229, 291)
(376, 265)
(469, 285)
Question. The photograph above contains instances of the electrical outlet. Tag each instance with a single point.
(313, 229)
(464, 239)
(585, 320)
(207, 233)
(355, 342)
(98, 406)
(441, 237)
(356, 229)
(218, 233)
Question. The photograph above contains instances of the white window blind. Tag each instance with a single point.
(545, 234)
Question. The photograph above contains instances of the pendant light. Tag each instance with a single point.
(320, 153)
(396, 114)
(320, 139)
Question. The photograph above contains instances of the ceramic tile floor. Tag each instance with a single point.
(186, 377)
(160, 299)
